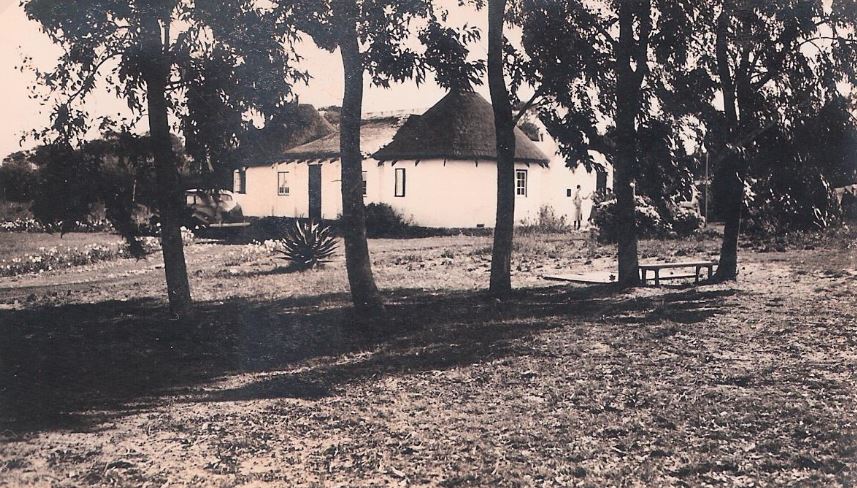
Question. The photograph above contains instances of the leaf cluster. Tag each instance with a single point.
(307, 245)
(226, 59)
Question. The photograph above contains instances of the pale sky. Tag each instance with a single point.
(20, 37)
(20, 114)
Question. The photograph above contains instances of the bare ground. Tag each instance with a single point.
(745, 384)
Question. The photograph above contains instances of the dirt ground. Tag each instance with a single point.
(270, 384)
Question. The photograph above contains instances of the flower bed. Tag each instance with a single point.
(47, 259)
(58, 257)
(33, 225)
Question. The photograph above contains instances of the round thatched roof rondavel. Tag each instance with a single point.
(459, 126)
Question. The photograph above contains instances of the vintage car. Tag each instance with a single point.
(213, 209)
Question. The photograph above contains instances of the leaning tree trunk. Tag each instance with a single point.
(727, 269)
(627, 108)
(501, 255)
(170, 195)
(364, 293)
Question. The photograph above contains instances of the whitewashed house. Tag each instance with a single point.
(436, 169)
(305, 182)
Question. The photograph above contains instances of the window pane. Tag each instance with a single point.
(400, 182)
(521, 182)
(236, 182)
(283, 183)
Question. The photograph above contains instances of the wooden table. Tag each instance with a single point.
(657, 267)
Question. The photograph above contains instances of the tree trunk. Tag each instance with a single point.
(120, 216)
(170, 195)
(625, 161)
(727, 269)
(364, 293)
(501, 255)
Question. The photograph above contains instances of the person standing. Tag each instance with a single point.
(577, 200)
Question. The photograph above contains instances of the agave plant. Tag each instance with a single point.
(307, 245)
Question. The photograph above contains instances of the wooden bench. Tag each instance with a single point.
(657, 267)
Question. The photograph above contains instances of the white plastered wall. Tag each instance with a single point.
(562, 178)
(438, 193)
(455, 193)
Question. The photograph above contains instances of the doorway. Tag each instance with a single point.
(315, 192)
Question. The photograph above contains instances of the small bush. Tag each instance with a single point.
(383, 220)
(18, 180)
(188, 238)
(266, 229)
(548, 222)
(849, 207)
(810, 204)
(674, 221)
(307, 245)
(684, 221)
(649, 221)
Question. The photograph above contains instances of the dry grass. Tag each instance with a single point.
(270, 385)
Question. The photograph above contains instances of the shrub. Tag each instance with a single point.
(685, 221)
(383, 220)
(548, 222)
(849, 207)
(672, 221)
(188, 238)
(810, 207)
(649, 221)
(266, 229)
(307, 245)
(17, 180)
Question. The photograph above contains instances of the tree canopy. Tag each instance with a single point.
(225, 64)
(774, 64)
(205, 62)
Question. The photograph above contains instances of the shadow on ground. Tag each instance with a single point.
(77, 366)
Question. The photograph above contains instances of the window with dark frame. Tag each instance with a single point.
(600, 181)
(400, 183)
(521, 182)
(283, 183)
(239, 182)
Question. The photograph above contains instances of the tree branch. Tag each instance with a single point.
(601, 143)
(89, 82)
(527, 106)
(594, 21)
(641, 52)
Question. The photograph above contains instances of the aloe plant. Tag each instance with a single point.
(307, 245)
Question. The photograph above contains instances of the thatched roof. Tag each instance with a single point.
(459, 126)
(373, 134)
(296, 126)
